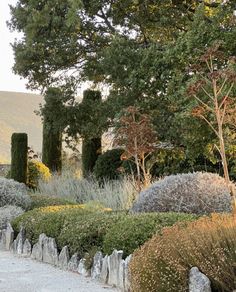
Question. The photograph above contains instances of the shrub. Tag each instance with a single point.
(208, 243)
(91, 149)
(199, 193)
(48, 220)
(86, 232)
(38, 201)
(19, 151)
(107, 165)
(132, 231)
(8, 213)
(37, 170)
(13, 193)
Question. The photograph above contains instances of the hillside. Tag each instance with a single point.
(17, 115)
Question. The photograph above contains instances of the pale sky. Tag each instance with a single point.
(8, 80)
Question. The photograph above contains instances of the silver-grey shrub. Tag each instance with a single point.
(199, 193)
(8, 213)
(13, 193)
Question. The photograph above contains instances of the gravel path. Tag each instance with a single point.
(25, 275)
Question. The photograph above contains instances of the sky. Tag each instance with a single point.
(8, 80)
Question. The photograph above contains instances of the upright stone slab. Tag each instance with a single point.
(127, 282)
(74, 263)
(20, 239)
(3, 239)
(97, 266)
(27, 247)
(37, 251)
(198, 282)
(114, 264)
(64, 258)
(104, 270)
(9, 235)
(121, 276)
(82, 268)
(50, 253)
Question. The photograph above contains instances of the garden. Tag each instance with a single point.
(148, 168)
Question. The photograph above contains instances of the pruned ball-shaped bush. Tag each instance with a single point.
(8, 213)
(199, 193)
(108, 164)
(37, 170)
(162, 264)
(132, 231)
(13, 193)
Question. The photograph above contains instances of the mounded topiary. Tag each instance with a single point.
(107, 165)
(8, 213)
(13, 193)
(162, 264)
(37, 170)
(19, 156)
(131, 231)
(199, 193)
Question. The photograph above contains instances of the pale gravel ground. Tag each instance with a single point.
(25, 275)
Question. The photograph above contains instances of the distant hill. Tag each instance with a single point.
(17, 115)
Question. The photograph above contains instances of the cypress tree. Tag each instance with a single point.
(53, 115)
(19, 157)
(91, 147)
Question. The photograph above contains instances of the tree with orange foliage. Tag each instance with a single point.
(136, 135)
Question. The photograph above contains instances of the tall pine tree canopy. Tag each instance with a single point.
(142, 50)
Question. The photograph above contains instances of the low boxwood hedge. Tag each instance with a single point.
(84, 229)
(132, 231)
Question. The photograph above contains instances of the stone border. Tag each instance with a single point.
(111, 270)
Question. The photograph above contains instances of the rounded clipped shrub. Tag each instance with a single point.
(13, 193)
(199, 193)
(162, 264)
(37, 170)
(108, 164)
(8, 213)
(131, 231)
(38, 201)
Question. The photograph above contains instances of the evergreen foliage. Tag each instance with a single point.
(19, 157)
(91, 146)
(52, 112)
(108, 164)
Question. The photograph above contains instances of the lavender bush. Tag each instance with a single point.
(13, 193)
(8, 213)
(199, 193)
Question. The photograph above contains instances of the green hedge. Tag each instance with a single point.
(84, 230)
(132, 231)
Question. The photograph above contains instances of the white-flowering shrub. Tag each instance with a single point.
(13, 193)
(8, 213)
(200, 193)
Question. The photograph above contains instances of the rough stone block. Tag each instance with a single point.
(9, 236)
(114, 264)
(104, 270)
(127, 284)
(97, 266)
(50, 253)
(198, 282)
(73, 263)
(82, 268)
(64, 258)
(27, 247)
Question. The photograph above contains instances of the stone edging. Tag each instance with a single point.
(111, 270)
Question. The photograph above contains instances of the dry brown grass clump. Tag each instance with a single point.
(162, 264)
